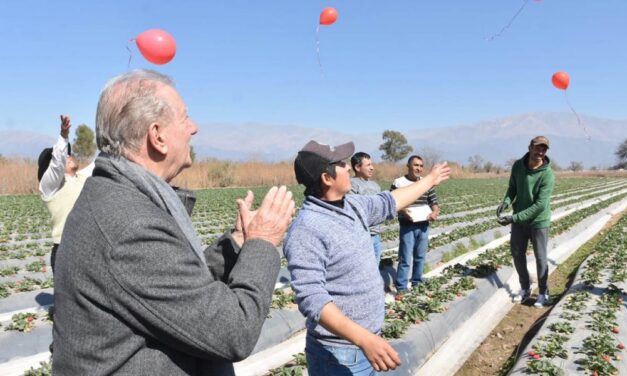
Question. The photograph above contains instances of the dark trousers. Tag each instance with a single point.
(53, 256)
(539, 237)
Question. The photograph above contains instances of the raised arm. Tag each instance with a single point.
(53, 178)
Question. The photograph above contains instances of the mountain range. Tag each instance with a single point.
(591, 142)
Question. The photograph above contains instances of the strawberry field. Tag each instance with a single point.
(434, 328)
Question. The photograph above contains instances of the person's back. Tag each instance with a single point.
(60, 204)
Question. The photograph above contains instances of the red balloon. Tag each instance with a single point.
(156, 45)
(561, 80)
(328, 16)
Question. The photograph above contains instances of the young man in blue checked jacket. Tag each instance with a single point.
(334, 276)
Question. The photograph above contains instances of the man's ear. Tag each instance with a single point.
(155, 138)
(326, 179)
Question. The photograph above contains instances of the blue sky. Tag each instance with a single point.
(402, 64)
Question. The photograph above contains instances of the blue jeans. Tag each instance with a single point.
(376, 244)
(326, 360)
(414, 241)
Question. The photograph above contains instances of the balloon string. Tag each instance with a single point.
(585, 130)
(511, 21)
(130, 54)
(318, 50)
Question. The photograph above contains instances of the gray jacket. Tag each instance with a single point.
(132, 297)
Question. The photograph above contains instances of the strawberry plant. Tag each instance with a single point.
(294, 368)
(9, 271)
(36, 266)
(551, 346)
(23, 322)
(282, 298)
(45, 369)
(544, 367)
(562, 327)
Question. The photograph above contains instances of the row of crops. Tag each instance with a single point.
(584, 333)
(466, 225)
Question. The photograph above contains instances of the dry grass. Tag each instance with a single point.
(19, 176)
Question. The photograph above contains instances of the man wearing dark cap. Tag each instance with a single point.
(329, 253)
(530, 187)
(60, 182)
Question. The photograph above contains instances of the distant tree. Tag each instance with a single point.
(556, 166)
(621, 154)
(475, 163)
(509, 163)
(394, 146)
(575, 166)
(430, 156)
(83, 147)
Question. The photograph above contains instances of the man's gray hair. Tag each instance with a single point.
(128, 105)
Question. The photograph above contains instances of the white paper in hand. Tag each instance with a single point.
(419, 213)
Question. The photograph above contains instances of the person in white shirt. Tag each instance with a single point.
(414, 228)
(60, 182)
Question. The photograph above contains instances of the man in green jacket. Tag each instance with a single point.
(530, 187)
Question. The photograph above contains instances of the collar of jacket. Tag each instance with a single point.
(315, 204)
(545, 164)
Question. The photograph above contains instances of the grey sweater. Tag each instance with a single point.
(361, 186)
(132, 297)
(329, 254)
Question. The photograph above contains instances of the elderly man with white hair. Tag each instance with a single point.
(136, 293)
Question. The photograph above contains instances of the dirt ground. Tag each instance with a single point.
(498, 352)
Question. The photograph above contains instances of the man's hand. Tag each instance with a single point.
(501, 209)
(243, 206)
(440, 172)
(435, 212)
(270, 221)
(380, 354)
(65, 126)
(505, 220)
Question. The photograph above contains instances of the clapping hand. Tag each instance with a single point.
(269, 222)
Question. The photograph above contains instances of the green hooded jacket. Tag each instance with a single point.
(530, 192)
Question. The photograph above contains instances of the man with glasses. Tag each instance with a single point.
(329, 254)
(414, 227)
(362, 184)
